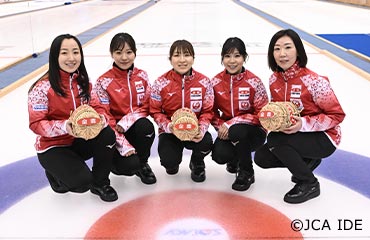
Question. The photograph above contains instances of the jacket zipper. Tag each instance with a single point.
(286, 87)
(71, 89)
(129, 88)
(183, 92)
(231, 96)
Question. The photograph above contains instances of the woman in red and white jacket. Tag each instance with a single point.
(239, 96)
(316, 133)
(51, 99)
(123, 95)
(182, 87)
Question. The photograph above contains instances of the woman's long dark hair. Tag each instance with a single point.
(54, 75)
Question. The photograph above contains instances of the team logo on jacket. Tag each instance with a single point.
(244, 105)
(195, 94)
(295, 96)
(39, 107)
(155, 97)
(140, 98)
(139, 87)
(196, 106)
(298, 103)
(104, 100)
(296, 91)
(243, 97)
(243, 93)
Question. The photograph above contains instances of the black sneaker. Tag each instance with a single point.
(106, 193)
(302, 192)
(243, 180)
(198, 172)
(146, 174)
(312, 164)
(231, 167)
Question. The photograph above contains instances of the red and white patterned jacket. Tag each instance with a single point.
(173, 91)
(48, 111)
(238, 99)
(313, 96)
(123, 98)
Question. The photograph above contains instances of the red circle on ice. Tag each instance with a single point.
(216, 215)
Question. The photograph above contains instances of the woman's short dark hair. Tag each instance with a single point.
(182, 46)
(54, 68)
(119, 40)
(231, 44)
(301, 52)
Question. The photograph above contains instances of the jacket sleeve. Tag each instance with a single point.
(155, 106)
(206, 115)
(216, 119)
(331, 113)
(140, 112)
(39, 122)
(100, 102)
(259, 101)
(129, 119)
(122, 144)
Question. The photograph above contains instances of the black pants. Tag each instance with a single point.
(170, 149)
(141, 136)
(290, 150)
(243, 140)
(68, 167)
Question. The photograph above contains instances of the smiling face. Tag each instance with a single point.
(69, 56)
(233, 62)
(285, 52)
(124, 57)
(182, 61)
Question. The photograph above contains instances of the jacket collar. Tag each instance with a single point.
(67, 76)
(122, 72)
(235, 77)
(292, 71)
(178, 77)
